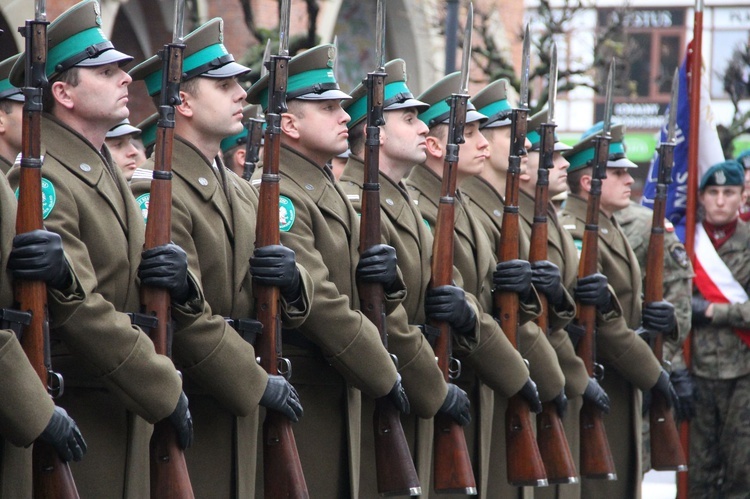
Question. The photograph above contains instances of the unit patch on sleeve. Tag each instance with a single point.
(287, 214)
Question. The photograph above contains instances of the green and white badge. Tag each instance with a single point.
(287, 214)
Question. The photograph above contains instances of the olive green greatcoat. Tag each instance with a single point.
(337, 352)
(26, 408)
(113, 377)
(213, 220)
(493, 365)
(402, 227)
(5, 165)
(562, 252)
(487, 207)
(629, 363)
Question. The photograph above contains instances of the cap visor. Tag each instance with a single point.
(106, 57)
(327, 95)
(227, 71)
(562, 146)
(621, 163)
(17, 97)
(409, 103)
(472, 116)
(123, 130)
(497, 123)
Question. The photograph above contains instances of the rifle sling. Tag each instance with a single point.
(14, 320)
(248, 328)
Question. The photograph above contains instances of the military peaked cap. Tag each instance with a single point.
(205, 55)
(437, 98)
(75, 39)
(397, 94)
(582, 154)
(123, 128)
(311, 77)
(492, 101)
(7, 89)
(535, 128)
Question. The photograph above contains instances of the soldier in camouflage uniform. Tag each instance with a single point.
(719, 432)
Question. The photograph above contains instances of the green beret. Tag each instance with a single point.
(437, 98)
(744, 159)
(492, 101)
(75, 39)
(205, 55)
(728, 172)
(248, 112)
(534, 130)
(148, 130)
(582, 154)
(7, 90)
(310, 77)
(397, 94)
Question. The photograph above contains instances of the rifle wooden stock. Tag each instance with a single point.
(596, 457)
(666, 449)
(452, 470)
(51, 476)
(550, 434)
(169, 474)
(396, 474)
(524, 462)
(282, 471)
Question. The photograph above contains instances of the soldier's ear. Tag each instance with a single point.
(434, 146)
(585, 183)
(185, 108)
(61, 92)
(290, 125)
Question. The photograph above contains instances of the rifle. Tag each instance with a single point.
(666, 450)
(169, 474)
(452, 469)
(396, 474)
(282, 470)
(525, 465)
(252, 149)
(550, 435)
(596, 458)
(51, 475)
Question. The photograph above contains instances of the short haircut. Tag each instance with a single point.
(574, 179)
(295, 107)
(6, 105)
(439, 131)
(70, 76)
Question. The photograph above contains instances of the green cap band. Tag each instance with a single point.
(302, 81)
(358, 109)
(436, 110)
(203, 56)
(72, 46)
(7, 88)
(582, 159)
(234, 140)
(148, 135)
(535, 138)
(497, 107)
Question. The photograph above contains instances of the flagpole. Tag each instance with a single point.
(696, 62)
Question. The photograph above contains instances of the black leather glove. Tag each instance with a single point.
(593, 290)
(448, 303)
(513, 276)
(63, 434)
(699, 305)
(561, 404)
(595, 394)
(38, 256)
(397, 395)
(182, 422)
(379, 264)
(166, 267)
(684, 386)
(275, 265)
(545, 276)
(282, 397)
(530, 393)
(658, 317)
(664, 386)
(457, 405)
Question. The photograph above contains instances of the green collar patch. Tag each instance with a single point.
(143, 201)
(287, 214)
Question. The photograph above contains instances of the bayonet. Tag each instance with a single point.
(284, 28)
(40, 10)
(336, 60)
(672, 121)
(380, 36)
(179, 22)
(466, 56)
(525, 62)
(552, 85)
(266, 58)
(608, 99)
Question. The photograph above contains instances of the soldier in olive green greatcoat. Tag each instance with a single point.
(11, 116)
(719, 434)
(28, 412)
(494, 367)
(115, 383)
(233, 148)
(213, 219)
(337, 352)
(562, 252)
(628, 360)
(123, 144)
(402, 146)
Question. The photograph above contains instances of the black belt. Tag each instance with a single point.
(248, 328)
(14, 320)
